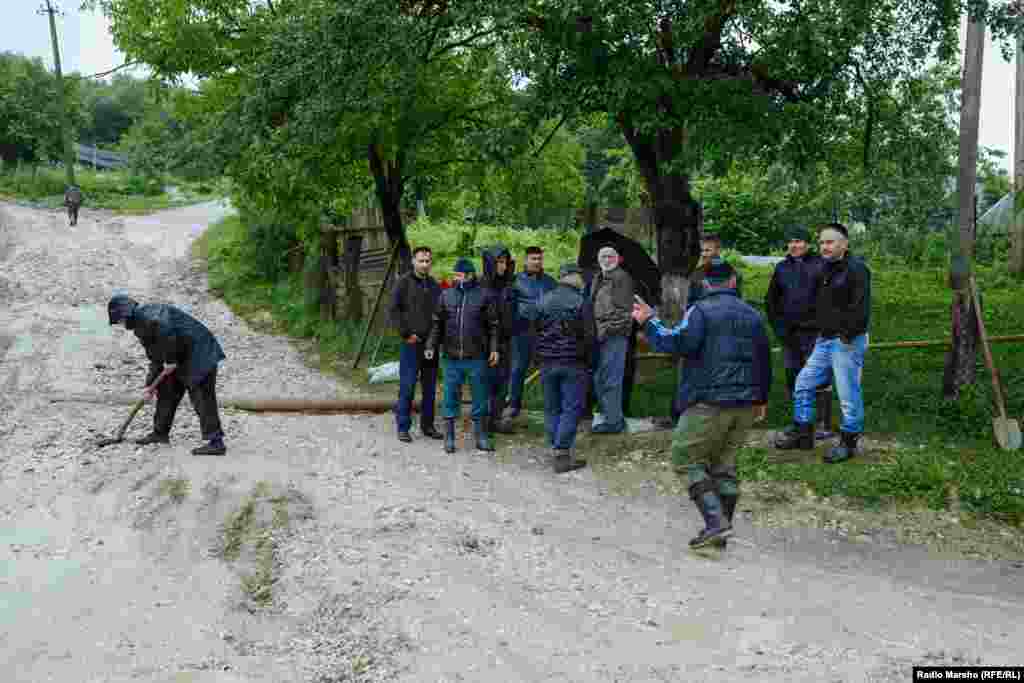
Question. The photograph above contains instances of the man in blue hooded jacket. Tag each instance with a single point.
(527, 289)
(724, 391)
(183, 357)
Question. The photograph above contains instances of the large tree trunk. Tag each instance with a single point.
(678, 218)
(389, 185)
(962, 359)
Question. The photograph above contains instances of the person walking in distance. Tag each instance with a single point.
(73, 201)
(565, 342)
(790, 307)
(843, 312)
(723, 392)
(183, 357)
(412, 311)
(612, 300)
(466, 327)
(527, 289)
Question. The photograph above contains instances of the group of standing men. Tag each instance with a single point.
(493, 329)
(820, 308)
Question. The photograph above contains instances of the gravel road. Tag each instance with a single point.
(320, 549)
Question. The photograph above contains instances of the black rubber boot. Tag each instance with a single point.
(564, 462)
(213, 447)
(729, 506)
(431, 432)
(846, 449)
(800, 438)
(153, 437)
(823, 409)
(449, 435)
(483, 439)
(716, 528)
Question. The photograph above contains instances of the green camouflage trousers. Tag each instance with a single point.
(705, 441)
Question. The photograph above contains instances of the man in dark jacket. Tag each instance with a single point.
(790, 306)
(499, 272)
(527, 289)
(612, 297)
(412, 311)
(724, 391)
(565, 342)
(843, 313)
(183, 356)
(466, 327)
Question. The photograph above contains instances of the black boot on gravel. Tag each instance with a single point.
(153, 437)
(483, 439)
(564, 462)
(431, 433)
(449, 435)
(800, 438)
(213, 447)
(717, 529)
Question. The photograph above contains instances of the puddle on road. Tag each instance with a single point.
(23, 576)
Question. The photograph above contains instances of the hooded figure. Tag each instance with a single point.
(498, 287)
(183, 357)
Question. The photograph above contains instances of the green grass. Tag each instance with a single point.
(937, 445)
(118, 191)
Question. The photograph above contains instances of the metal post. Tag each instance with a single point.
(65, 124)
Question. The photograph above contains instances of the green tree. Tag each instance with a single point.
(711, 81)
(30, 110)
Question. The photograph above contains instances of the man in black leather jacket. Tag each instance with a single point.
(499, 273)
(566, 338)
(466, 328)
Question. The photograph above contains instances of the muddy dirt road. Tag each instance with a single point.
(320, 549)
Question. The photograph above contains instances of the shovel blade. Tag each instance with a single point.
(1007, 433)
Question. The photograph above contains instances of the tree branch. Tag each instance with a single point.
(464, 42)
(700, 54)
(551, 135)
(101, 74)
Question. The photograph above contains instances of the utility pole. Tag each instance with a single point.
(62, 100)
(1016, 225)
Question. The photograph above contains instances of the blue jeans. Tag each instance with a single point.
(456, 372)
(412, 367)
(564, 389)
(841, 363)
(521, 347)
(611, 366)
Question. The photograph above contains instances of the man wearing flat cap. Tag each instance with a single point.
(183, 357)
(565, 342)
(466, 326)
(842, 307)
(790, 306)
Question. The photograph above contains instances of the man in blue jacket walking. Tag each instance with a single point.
(724, 391)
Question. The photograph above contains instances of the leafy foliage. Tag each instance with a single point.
(30, 111)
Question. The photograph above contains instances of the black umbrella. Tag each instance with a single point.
(635, 261)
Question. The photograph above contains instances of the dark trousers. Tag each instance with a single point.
(565, 387)
(413, 368)
(204, 400)
(497, 387)
(72, 214)
(522, 348)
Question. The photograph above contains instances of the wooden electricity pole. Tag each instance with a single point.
(962, 359)
(1016, 225)
(62, 100)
